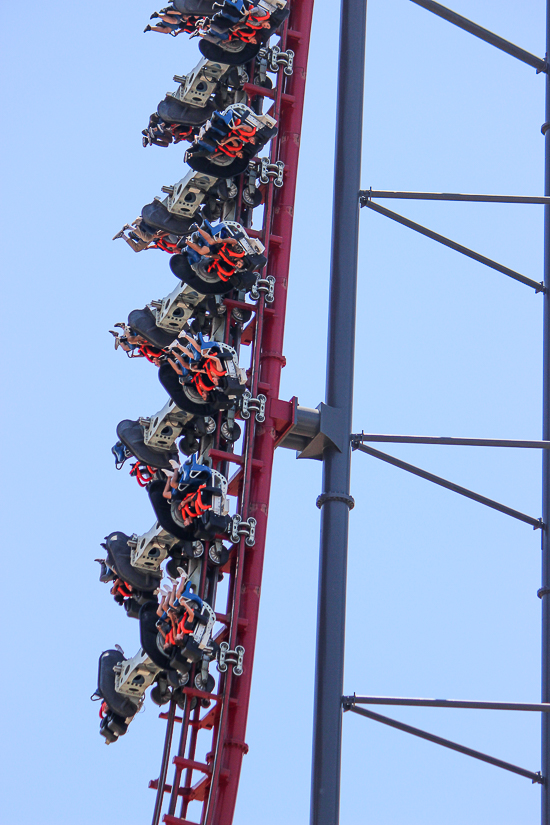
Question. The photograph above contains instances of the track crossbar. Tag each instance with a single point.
(484, 34)
(469, 253)
(449, 485)
(447, 743)
(367, 194)
(359, 438)
(349, 701)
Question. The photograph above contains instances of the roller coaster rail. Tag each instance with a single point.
(218, 787)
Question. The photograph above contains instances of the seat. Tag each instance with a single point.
(231, 54)
(131, 435)
(116, 702)
(142, 321)
(119, 559)
(158, 216)
(185, 398)
(148, 635)
(171, 110)
(161, 507)
(200, 8)
(182, 269)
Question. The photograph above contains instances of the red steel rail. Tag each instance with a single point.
(219, 774)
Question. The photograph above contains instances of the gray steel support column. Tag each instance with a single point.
(545, 588)
(325, 790)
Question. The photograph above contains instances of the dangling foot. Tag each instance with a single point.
(147, 29)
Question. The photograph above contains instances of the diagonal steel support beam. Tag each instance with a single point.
(446, 743)
(434, 236)
(449, 485)
(484, 34)
(367, 194)
(349, 701)
(359, 438)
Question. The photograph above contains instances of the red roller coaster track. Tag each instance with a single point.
(215, 782)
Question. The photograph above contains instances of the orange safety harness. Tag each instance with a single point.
(178, 628)
(146, 351)
(179, 132)
(166, 245)
(121, 588)
(193, 506)
(143, 473)
(208, 378)
(238, 135)
(248, 31)
(224, 263)
(103, 709)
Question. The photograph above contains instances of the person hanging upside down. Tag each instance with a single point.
(172, 22)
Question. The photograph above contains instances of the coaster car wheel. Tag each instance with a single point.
(131, 435)
(161, 506)
(210, 683)
(142, 321)
(230, 434)
(182, 269)
(116, 702)
(216, 170)
(158, 216)
(171, 110)
(218, 557)
(212, 51)
(182, 399)
(160, 698)
(253, 200)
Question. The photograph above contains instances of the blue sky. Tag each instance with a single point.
(442, 592)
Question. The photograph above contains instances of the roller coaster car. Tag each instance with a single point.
(132, 434)
(117, 710)
(237, 37)
(229, 140)
(132, 587)
(184, 626)
(143, 322)
(193, 103)
(148, 551)
(163, 513)
(174, 215)
(162, 131)
(230, 266)
(156, 215)
(200, 500)
(163, 320)
(209, 381)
